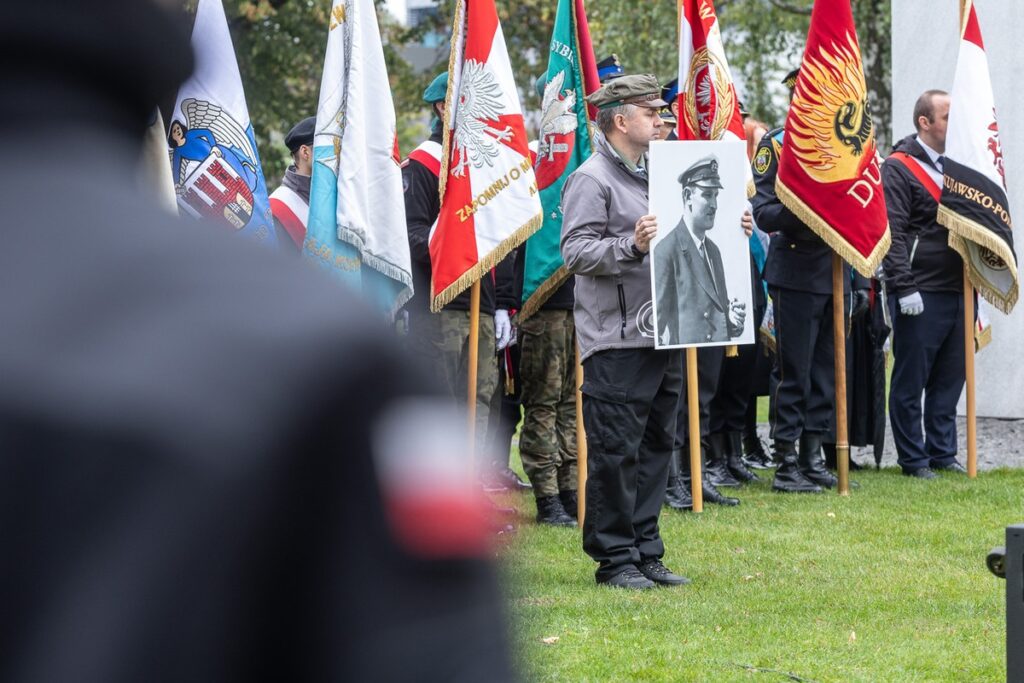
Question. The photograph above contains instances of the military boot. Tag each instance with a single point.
(733, 442)
(788, 477)
(677, 496)
(551, 512)
(709, 493)
(570, 503)
(812, 465)
(717, 469)
(755, 457)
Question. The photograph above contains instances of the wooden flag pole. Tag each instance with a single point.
(474, 354)
(972, 419)
(693, 406)
(581, 445)
(839, 336)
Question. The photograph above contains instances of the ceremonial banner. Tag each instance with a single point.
(214, 162)
(356, 228)
(153, 169)
(564, 144)
(829, 173)
(974, 206)
(489, 198)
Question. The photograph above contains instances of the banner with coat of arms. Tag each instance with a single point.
(214, 163)
(709, 108)
(973, 205)
(356, 228)
(564, 144)
(489, 198)
(829, 171)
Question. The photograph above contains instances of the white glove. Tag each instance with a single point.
(912, 304)
(502, 328)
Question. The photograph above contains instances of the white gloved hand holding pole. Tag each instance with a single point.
(502, 328)
(912, 304)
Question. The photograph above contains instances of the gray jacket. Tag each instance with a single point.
(601, 202)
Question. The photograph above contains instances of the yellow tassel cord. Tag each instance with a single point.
(865, 266)
(962, 230)
(448, 294)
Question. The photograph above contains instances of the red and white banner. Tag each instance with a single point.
(709, 108)
(489, 198)
(974, 206)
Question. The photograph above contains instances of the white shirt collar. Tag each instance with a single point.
(932, 154)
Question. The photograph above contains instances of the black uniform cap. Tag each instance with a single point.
(301, 134)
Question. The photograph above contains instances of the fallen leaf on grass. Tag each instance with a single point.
(550, 640)
(831, 514)
(853, 636)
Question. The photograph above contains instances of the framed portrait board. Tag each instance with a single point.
(700, 258)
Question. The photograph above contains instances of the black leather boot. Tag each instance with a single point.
(788, 477)
(733, 442)
(677, 496)
(755, 456)
(812, 465)
(716, 469)
(570, 503)
(831, 461)
(551, 512)
(709, 493)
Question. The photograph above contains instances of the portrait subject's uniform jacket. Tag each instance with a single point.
(601, 202)
(683, 277)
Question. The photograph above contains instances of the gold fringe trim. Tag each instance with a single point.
(865, 266)
(541, 294)
(751, 188)
(963, 229)
(448, 294)
(458, 33)
(768, 340)
(982, 338)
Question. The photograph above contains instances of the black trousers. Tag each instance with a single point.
(803, 378)
(709, 370)
(928, 357)
(630, 402)
(735, 387)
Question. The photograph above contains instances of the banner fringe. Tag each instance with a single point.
(385, 268)
(866, 266)
(448, 294)
(542, 294)
(982, 338)
(961, 230)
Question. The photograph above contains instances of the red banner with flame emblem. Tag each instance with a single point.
(829, 169)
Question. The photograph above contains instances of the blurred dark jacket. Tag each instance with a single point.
(187, 484)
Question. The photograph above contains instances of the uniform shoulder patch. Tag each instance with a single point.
(762, 160)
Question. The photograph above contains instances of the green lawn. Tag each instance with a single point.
(888, 584)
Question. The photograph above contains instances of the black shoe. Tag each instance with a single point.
(570, 503)
(504, 479)
(812, 465)
(788, 478)
(921, 473)
(711, 495)
(678, 496)
(660, 574)
(755, 456)
(715, 464)
(734, 458)
(551, 512)
(951, 467)
(631, 578)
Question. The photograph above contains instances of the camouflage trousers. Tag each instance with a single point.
(441, 343)
(547, 370)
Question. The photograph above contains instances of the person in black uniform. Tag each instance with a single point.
(799, 276)
(190, 424)
(924, 279)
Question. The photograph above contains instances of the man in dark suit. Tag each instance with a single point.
(692, 302)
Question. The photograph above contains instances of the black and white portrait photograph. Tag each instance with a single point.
(700, 270)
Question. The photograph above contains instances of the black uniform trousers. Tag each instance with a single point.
(928, 356)
(803, 378)
(630, 402)
(710, 361)
(506, 409)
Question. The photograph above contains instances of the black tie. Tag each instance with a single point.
(704, 256)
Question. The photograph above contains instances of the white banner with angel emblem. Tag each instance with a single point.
(214, 162)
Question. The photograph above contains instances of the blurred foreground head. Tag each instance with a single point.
(105, 62)
(206, 449)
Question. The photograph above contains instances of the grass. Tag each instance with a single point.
(888, 584)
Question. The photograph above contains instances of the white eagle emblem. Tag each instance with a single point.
(480, 103)
(557, 117)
